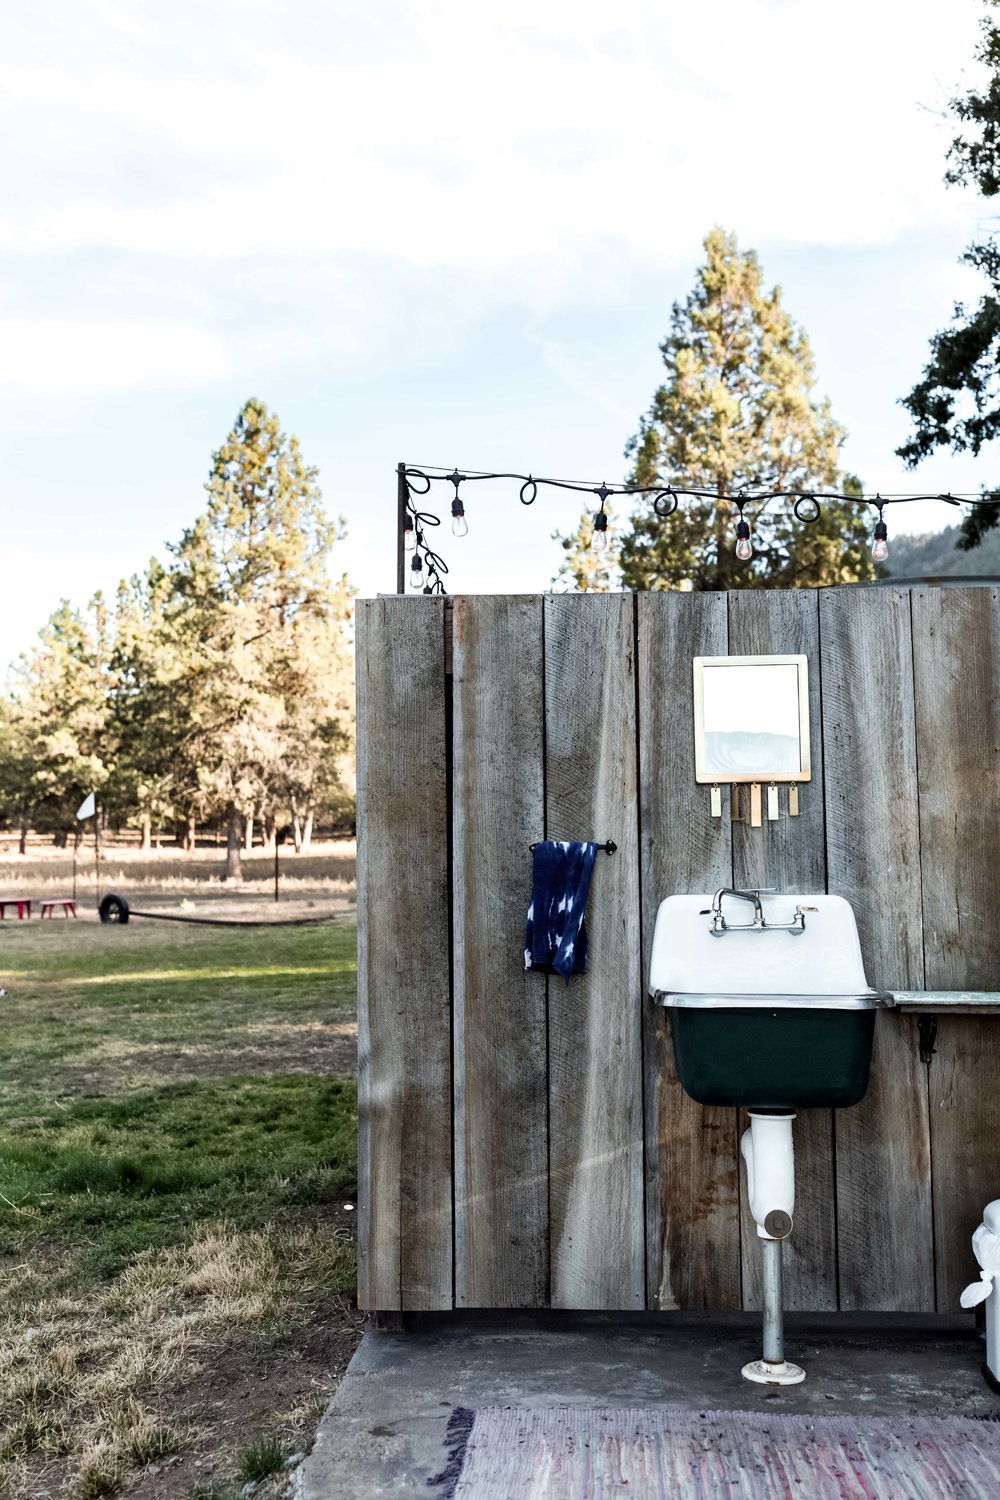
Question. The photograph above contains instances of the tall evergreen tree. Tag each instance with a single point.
(736, 411)
(956, 404)
(258, 622)
(153, 773)
(59, 718)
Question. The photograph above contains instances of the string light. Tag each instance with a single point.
(744, 546)
(599, 535)
(599, 538)
(428, 570)
(459, 525)
(880, 542)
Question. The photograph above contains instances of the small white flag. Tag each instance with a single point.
(87, 807)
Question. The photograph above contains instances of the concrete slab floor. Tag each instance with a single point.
(383, 1434)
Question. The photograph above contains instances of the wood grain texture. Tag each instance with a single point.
(595, 1044)
(404, 1000)
(692, 1204)
(790, 855)
(950, 1002)
(956, 649)
(501, 1075)
(884, 1229)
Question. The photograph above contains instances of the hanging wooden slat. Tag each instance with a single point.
(692, 1205)
(873, 858)
(501, 1076)
(595, 1045)
(404, 1000)
(956, 648)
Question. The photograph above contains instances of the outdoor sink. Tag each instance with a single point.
(770, 1008)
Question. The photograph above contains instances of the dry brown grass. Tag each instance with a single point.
(326, 872)
(99, 1374)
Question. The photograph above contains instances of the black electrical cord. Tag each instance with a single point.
(428, 569)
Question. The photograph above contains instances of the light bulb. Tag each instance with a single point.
(409, 535)
(744, 549)
(880, 541)
(459, 525)
(599, 535)
(417, 573)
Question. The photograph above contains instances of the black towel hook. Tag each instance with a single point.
(609, 848)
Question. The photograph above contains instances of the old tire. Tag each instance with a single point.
(113, 908)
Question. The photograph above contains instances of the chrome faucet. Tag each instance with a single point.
(719, 925)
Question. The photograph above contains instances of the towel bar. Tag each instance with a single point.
(609, 848)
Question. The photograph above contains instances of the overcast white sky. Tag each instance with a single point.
(443, 233)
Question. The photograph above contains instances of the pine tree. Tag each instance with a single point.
(59, 718)
(260, 628)
(153, 775)
(737, 411)
(956, 404)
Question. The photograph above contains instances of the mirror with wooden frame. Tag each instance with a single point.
(751, 727)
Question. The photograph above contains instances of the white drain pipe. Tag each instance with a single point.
(767, 1150)
(770, 1161)
(986, 1248)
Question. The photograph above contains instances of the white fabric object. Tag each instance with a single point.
(986, 1248)
(87, 807)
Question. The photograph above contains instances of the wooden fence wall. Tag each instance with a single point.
(525, 1143)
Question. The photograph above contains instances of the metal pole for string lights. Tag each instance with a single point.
(401, 498)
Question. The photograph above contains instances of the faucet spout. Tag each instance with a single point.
(719, 921)
(741, 896)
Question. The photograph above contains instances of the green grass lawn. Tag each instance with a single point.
(177, 1153)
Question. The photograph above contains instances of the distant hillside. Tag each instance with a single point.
(935, 553)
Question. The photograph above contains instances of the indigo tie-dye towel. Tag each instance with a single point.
(555, 940)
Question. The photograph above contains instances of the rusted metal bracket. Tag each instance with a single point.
(927, 1030)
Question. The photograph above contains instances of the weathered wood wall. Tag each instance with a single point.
(526, 1143)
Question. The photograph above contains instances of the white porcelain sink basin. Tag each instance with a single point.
(770, 1019)
(824, 959)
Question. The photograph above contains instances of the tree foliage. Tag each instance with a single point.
(220, 687)
(736, 411)
(956, 404)
(583, 570)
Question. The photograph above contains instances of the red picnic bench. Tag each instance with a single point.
(48, 907)
(23, 904)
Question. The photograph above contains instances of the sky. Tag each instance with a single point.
(445, 234)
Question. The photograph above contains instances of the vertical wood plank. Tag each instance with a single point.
(404, 1001)
(501, 1077)
(692, 1203)
(790, 855)
(956, 650)
(873, 859)
(595, 1046)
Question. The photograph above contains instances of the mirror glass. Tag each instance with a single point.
(751, 718)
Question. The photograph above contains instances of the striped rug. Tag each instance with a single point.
(560, 1453)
